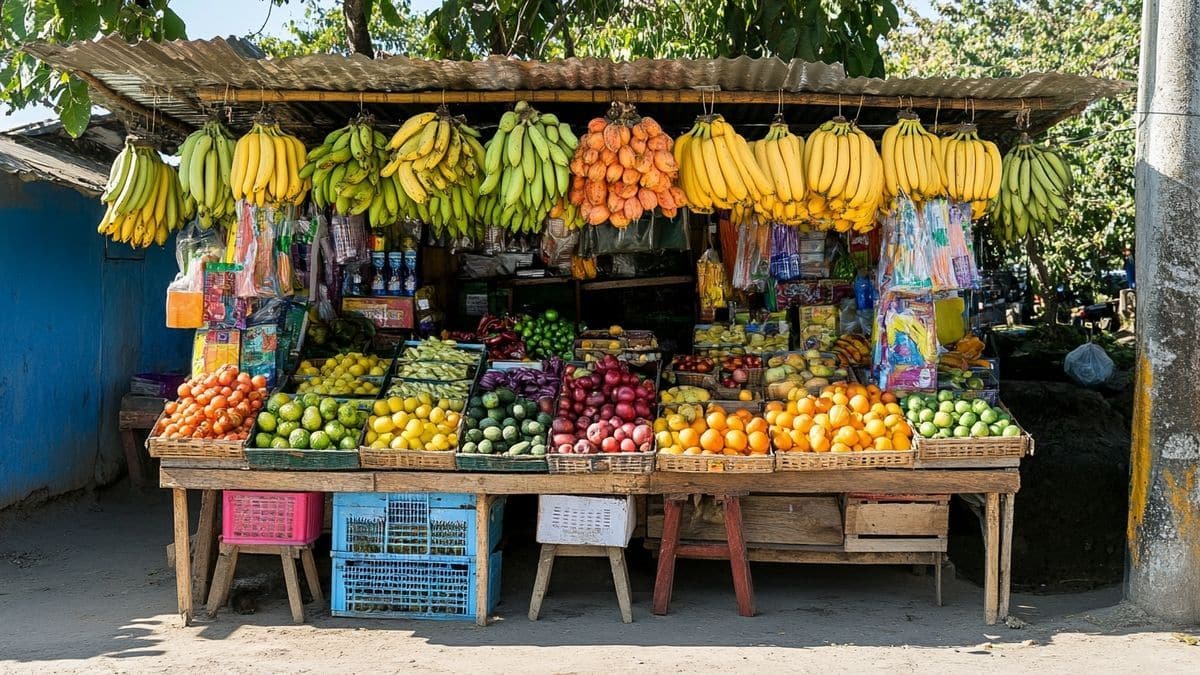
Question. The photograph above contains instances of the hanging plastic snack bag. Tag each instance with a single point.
(255, 251)
(260, 341)
(710, 283)
(349, 235)
(906, 346)
(934, 216)
(904, 254)
(558, 244)
(185, 295)
(962, 249)
(222, 306)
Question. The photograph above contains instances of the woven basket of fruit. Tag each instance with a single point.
(726, 436)
(211, 418)
(948, 427)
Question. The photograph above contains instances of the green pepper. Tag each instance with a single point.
(551, 314)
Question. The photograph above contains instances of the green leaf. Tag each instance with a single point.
(786, 47)
(173, 27)
(75, 107)
(389, 13)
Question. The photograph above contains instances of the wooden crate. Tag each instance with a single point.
(881, 523)
(766, 520)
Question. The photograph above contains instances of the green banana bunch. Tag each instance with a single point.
(438, 162)
(205, 168)
(526, 169)
(145, 200)
(345, 173)
(1035, 186)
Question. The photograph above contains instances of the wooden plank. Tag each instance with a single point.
(767, 519)
(743, 582)
(855, 480)
(206, 542)
(183, 571)
(483, 551)
(618, 284)
(1007, 506)
(897, 519)
(991, 568)
(783, 555)
(182, 463)
(580, 551)
(310, 574)
(292, 581)
(620, 573)
(508, 484)
(542, 582)
(133, 457)
(979, 463)
(234, 479)
(602, 96)
(897, 544)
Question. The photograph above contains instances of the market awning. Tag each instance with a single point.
(180, 83)
(44, 151)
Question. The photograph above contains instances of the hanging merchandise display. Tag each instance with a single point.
(266, 166)
(205, 173)
(911, 160)
(623, 167)
(526, 169)
(844, 175)
(1034, 189)
(145, 202)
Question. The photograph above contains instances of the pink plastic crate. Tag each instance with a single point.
(250, 517)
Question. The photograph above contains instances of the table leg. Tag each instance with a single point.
(616, 560)
(542, 582)
(133, 458)
(206, 539)
(183, 564)
(664, 580)
(1007, 509)
(991, 569)
(292, 581)
(483, 551)
(310, 574)
(743, 583)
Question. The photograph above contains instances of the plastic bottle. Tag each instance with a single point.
(379, 280)
(864, 292)
(395, 264)
(410, 267)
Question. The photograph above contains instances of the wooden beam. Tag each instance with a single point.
(601, 96)
(132, 106)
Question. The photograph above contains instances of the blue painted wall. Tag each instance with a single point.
(78, 318)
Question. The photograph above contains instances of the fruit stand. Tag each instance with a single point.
(356, 345)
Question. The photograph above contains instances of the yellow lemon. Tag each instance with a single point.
(410, 404)
(437, 415)
(382, 424)
(398, 443)
(394, 403)
(380, 408)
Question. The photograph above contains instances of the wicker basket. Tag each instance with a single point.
(295, 459)
(690, 379)
(755, 407)
(193, 448)
(609, 462)
(500, 463)
(974, 448)
(819, 461)
(408, 460)
(715, 463)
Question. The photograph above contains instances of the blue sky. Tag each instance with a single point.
(221, 18)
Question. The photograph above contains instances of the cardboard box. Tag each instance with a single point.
(385, 312)
(591, 521)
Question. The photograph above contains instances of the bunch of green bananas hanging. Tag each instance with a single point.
(144, 200)
(438, 162)
(266, 166)
(527, 169)
(345, 170)
(205, 171)
(1034, 188)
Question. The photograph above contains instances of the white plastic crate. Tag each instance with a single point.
(590, 521)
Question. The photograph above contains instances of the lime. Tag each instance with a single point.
(262, 440)
(281, 443)
(311, 419)
(336, 430)
(927, 415)
(927, 429)
(914, 403)
(276, 401)
(348, 442)
(320, 441)
(328, 408)
(945, 395)
(310, 400)
(267, 422)
(285, 429)
(989, 416)
(968, 418)
(1011, 430)
(962, 407)
(946, 406)
(347, 415)
(298, 439)
(979, 405)
(980, 430)
(961, 432)
(943, 420)
(291, 411)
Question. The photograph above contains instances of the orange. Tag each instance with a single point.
(887, 397)
(900, 441)
(845, 435)
(692, 451)
(802, 423)
(712, 440)
(735, 423)
(716, 420)
(736, 439)
(800, 442)
(839, 416)
(821, 445)
(840, 399)
(878, 409)
(806, 406)
(875, 428)
(823, 404)
(744, 414)
(783, 441)
(864, 439)
(676, 422)
(770, 416)
(816, 436)
(893, 408)
(688, 438)
(756, 424)
(891, 420)
(731, 452)
(822, 420)
(774, 406)
(759, 442)
(699, 426)
(883, 443)
(839, 447)
(785, 420)
(710, 452)
(716, 407)
(874, 390)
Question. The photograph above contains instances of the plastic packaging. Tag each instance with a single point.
(185, 295)
(710, 282)
(906, 346)
(1089, 365)
(349, 234)
(904, 251)
(558, 245)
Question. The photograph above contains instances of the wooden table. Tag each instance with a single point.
(999, 487)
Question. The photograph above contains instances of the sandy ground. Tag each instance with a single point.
(84, 587)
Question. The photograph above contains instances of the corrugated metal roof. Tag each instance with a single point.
(166, 76)
(44, 151)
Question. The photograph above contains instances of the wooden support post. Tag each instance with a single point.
(991, 569)
(664, 580)
(483, 553)
(206, 543)
(133, 458)
(1007, 507)
(222, 579)
(183, 571)
(616, 560)
(743, 584)
(938, 560)
(310, 574)
(292, 580)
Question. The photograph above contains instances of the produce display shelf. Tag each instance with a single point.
(868, 459)
(467, 461)
(611, 462)
(406, 460)
(193, 448)
(972, 448)
(295, 459)
(637, 283)
(715, 463)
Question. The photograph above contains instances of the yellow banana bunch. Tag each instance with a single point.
(717, 168)
(844, 175)
(972, 168)
(145, 202)
(569, 212)
(266, 167)
(438, 162)
(912, 161)
(205, 173)
(1035, 184)
(583, 268)
(780, 155)
(526, 169)
(344, 170)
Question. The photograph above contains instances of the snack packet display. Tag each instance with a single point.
(906, 346)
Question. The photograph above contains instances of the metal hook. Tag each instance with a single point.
(779, 109)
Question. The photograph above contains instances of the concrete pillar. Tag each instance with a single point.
(1164, 498)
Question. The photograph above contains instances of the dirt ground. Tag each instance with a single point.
(84, 587)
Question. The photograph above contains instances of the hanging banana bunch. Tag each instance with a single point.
(972, 168)
(526, 169)
(437, 161)
(718, 168)
(571, 216)
(205, 173)
(912, 161)
(780, 156)
(1035, 184)
(844, 175)
(266, 167)
(344, 170)
(145, 202)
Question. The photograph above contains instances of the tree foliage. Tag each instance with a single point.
(24, 80)
(394, 29)
(1097, 38)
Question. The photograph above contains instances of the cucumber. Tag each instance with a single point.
(520, 448)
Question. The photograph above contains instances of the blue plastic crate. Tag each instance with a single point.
(408, 587)
(422, 524)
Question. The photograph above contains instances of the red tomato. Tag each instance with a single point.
(226, 377)
(259, 381)
(219, 402)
